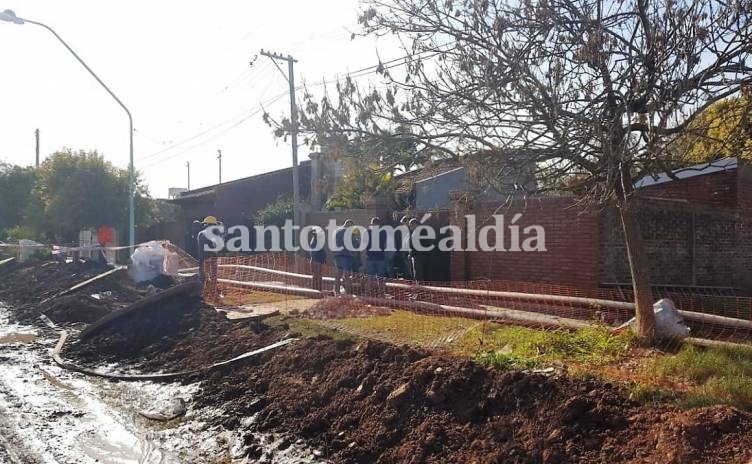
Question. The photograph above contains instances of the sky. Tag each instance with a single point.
(182, 68)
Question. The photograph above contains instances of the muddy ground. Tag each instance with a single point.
(366, 402)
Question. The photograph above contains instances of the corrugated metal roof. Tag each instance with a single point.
(726, 164)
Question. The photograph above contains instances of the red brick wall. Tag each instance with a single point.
(716, 189)
(686, 244)
(572, 241)
(744, 188)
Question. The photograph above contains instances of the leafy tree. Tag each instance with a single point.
(15, 193)
(723, 130)
(78, 190)
(368, 173)
(596, 90)
(275, 214)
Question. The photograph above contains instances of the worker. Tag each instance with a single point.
(344, 258)
(416, 257)
(317, 257)
(209, 247)
(399, 257)
(376, 266)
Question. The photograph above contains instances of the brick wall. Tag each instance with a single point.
(744, 187)
(716, 189)
(687, 245)
(572, 241)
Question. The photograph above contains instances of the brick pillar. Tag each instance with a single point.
(377, 207)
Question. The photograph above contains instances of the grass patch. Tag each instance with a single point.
(404, 327)
(717, 375)
(247, 297)
(591, 345)
(307, 328)
(499, 360)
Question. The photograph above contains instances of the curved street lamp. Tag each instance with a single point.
(10, 16)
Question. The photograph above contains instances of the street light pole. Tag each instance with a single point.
(10, 16)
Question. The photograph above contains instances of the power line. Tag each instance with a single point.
(389, 64)
(253, 113)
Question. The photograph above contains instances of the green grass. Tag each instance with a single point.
(591, 345)
(690, 378)
(306, 328)
(404, 327)
(499, 360)
(717, 375)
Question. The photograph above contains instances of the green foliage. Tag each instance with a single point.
(646, 393)
(590, 345)
(275, 213)
(69, 192)
(501, 360)
(723, 130)
(15, 194)
(360, 183)
(20, 232)
(719, 375)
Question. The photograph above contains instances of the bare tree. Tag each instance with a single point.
(592, 90)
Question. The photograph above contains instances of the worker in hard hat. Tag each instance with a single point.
(210, 243)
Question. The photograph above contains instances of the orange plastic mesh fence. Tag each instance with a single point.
(246, 280)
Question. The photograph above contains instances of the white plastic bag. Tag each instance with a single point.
(668, 322)
(147, 262)
(27, 248)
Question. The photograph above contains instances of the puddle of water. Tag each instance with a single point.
(50, 415)
(13, 338)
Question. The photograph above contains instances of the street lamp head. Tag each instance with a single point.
(10, 16)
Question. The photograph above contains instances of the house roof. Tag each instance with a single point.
(406, 180)
(211, 190)
(726, 164)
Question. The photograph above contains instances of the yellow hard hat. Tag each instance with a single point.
(210, 220)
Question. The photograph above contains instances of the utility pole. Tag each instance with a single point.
(36, 134)
(219, 157)
(188, 165)
(293, 131)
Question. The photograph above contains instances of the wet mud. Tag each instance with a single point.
(324, 400)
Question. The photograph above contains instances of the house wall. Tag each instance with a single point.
(687, 245)
(716, 189)
(744, 187)
(572, 242)
(238, 202)
(433, 193)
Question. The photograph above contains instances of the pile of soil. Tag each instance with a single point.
(34, 281)
(30, 287)
(375, 402)
(179, 333)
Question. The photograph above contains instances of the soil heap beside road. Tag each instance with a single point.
(366, 401)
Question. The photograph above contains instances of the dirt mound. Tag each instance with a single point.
(34, 281)
(31, 288)
(375, 402)
(69, 308)
(179, 333)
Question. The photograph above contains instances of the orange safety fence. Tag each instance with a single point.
(715, 314)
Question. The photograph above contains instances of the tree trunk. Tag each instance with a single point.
(640, 271)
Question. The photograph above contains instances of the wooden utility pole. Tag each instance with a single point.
(219, 157)
(188, 165)
(36, 135)
(293, 131)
